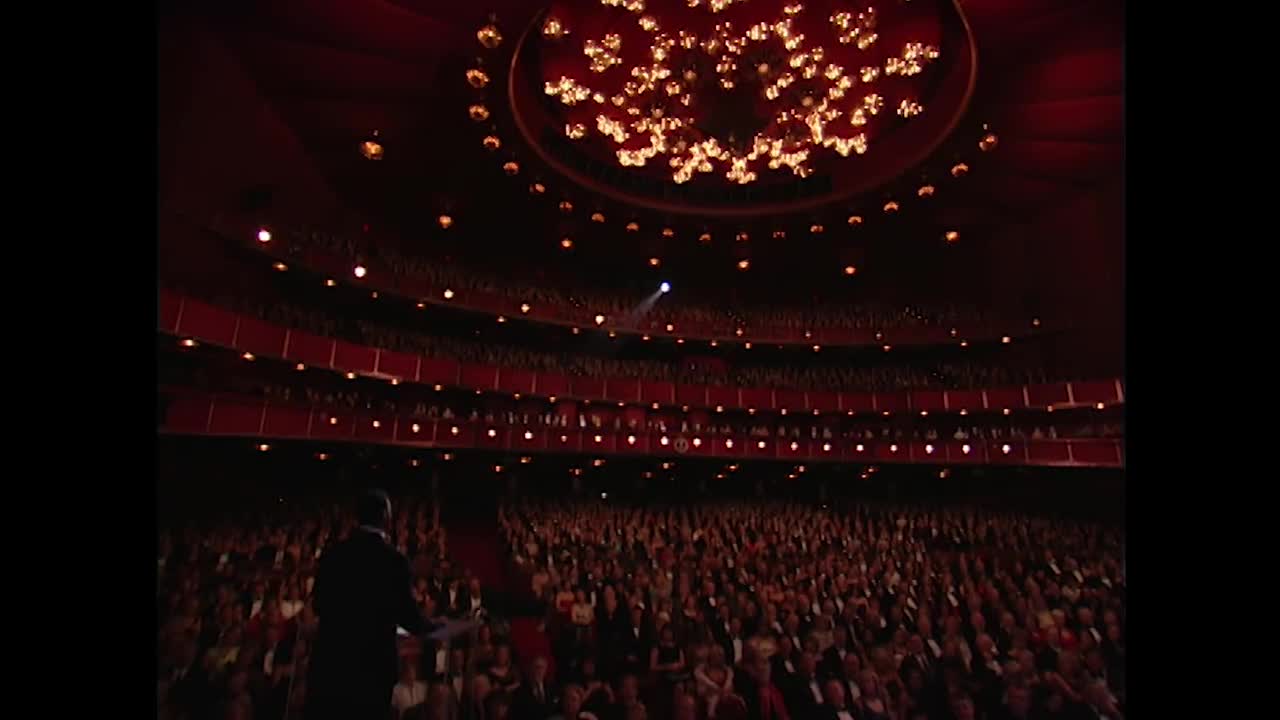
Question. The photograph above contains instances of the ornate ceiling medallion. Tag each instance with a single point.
(710, 94)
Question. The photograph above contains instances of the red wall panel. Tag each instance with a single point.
(955, 452)
(857, 402)
(1048, 453)
(970, 400)
(169, 309)
(824, 401)
(286, 420)
(894, 402)
(790, 400)
(586, 387)
(416, 431)
(236, 418)
(658, 391)
(1047, 394)
(552, 385)
(1096, 452)
(333, 425)
(1001, 398)
(188, 413)
(722, 396)
(310, 349)
(692, 395)
(207, 322)
(622, 389)
(375, 427)
(928, 400)
(433, 370)
(350, 357)
(260, 338)
(398, 364)
(480, 377)
(758, 398)
(515, 380)
(1094, 392)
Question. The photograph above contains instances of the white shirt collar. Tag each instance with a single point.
(376, 531)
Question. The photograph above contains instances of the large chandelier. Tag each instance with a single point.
(737, 87)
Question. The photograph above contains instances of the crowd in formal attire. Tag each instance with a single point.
(872, 613)
(236, 619)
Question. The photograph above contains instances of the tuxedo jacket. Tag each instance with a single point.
(525, 704)
(799, 696)
(828, 712)
(831, 664)
(362, 592)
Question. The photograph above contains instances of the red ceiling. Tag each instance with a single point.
(300, 82)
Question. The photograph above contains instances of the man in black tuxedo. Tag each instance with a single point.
(803, 693)
(535, 699)
(362, 592)
(834, 706)
(636, 642)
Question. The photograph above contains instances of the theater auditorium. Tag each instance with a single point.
(719, 359)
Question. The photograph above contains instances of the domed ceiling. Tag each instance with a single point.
(707, 132)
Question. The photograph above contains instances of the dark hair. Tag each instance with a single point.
(372, 508)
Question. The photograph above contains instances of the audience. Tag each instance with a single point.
(732, 610)
(894, 613)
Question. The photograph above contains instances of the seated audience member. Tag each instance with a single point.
(572, 705)
(755, 686)
(714, 679)
(410, 691)
(833, 705)
(873, 703)
(502, 672)
(535, 699)
(498, 705)
(475, 705)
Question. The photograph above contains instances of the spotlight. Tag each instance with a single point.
(360, 271)
(264, 236)
(664, 287)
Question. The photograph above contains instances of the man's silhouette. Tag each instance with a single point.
(362, 592)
